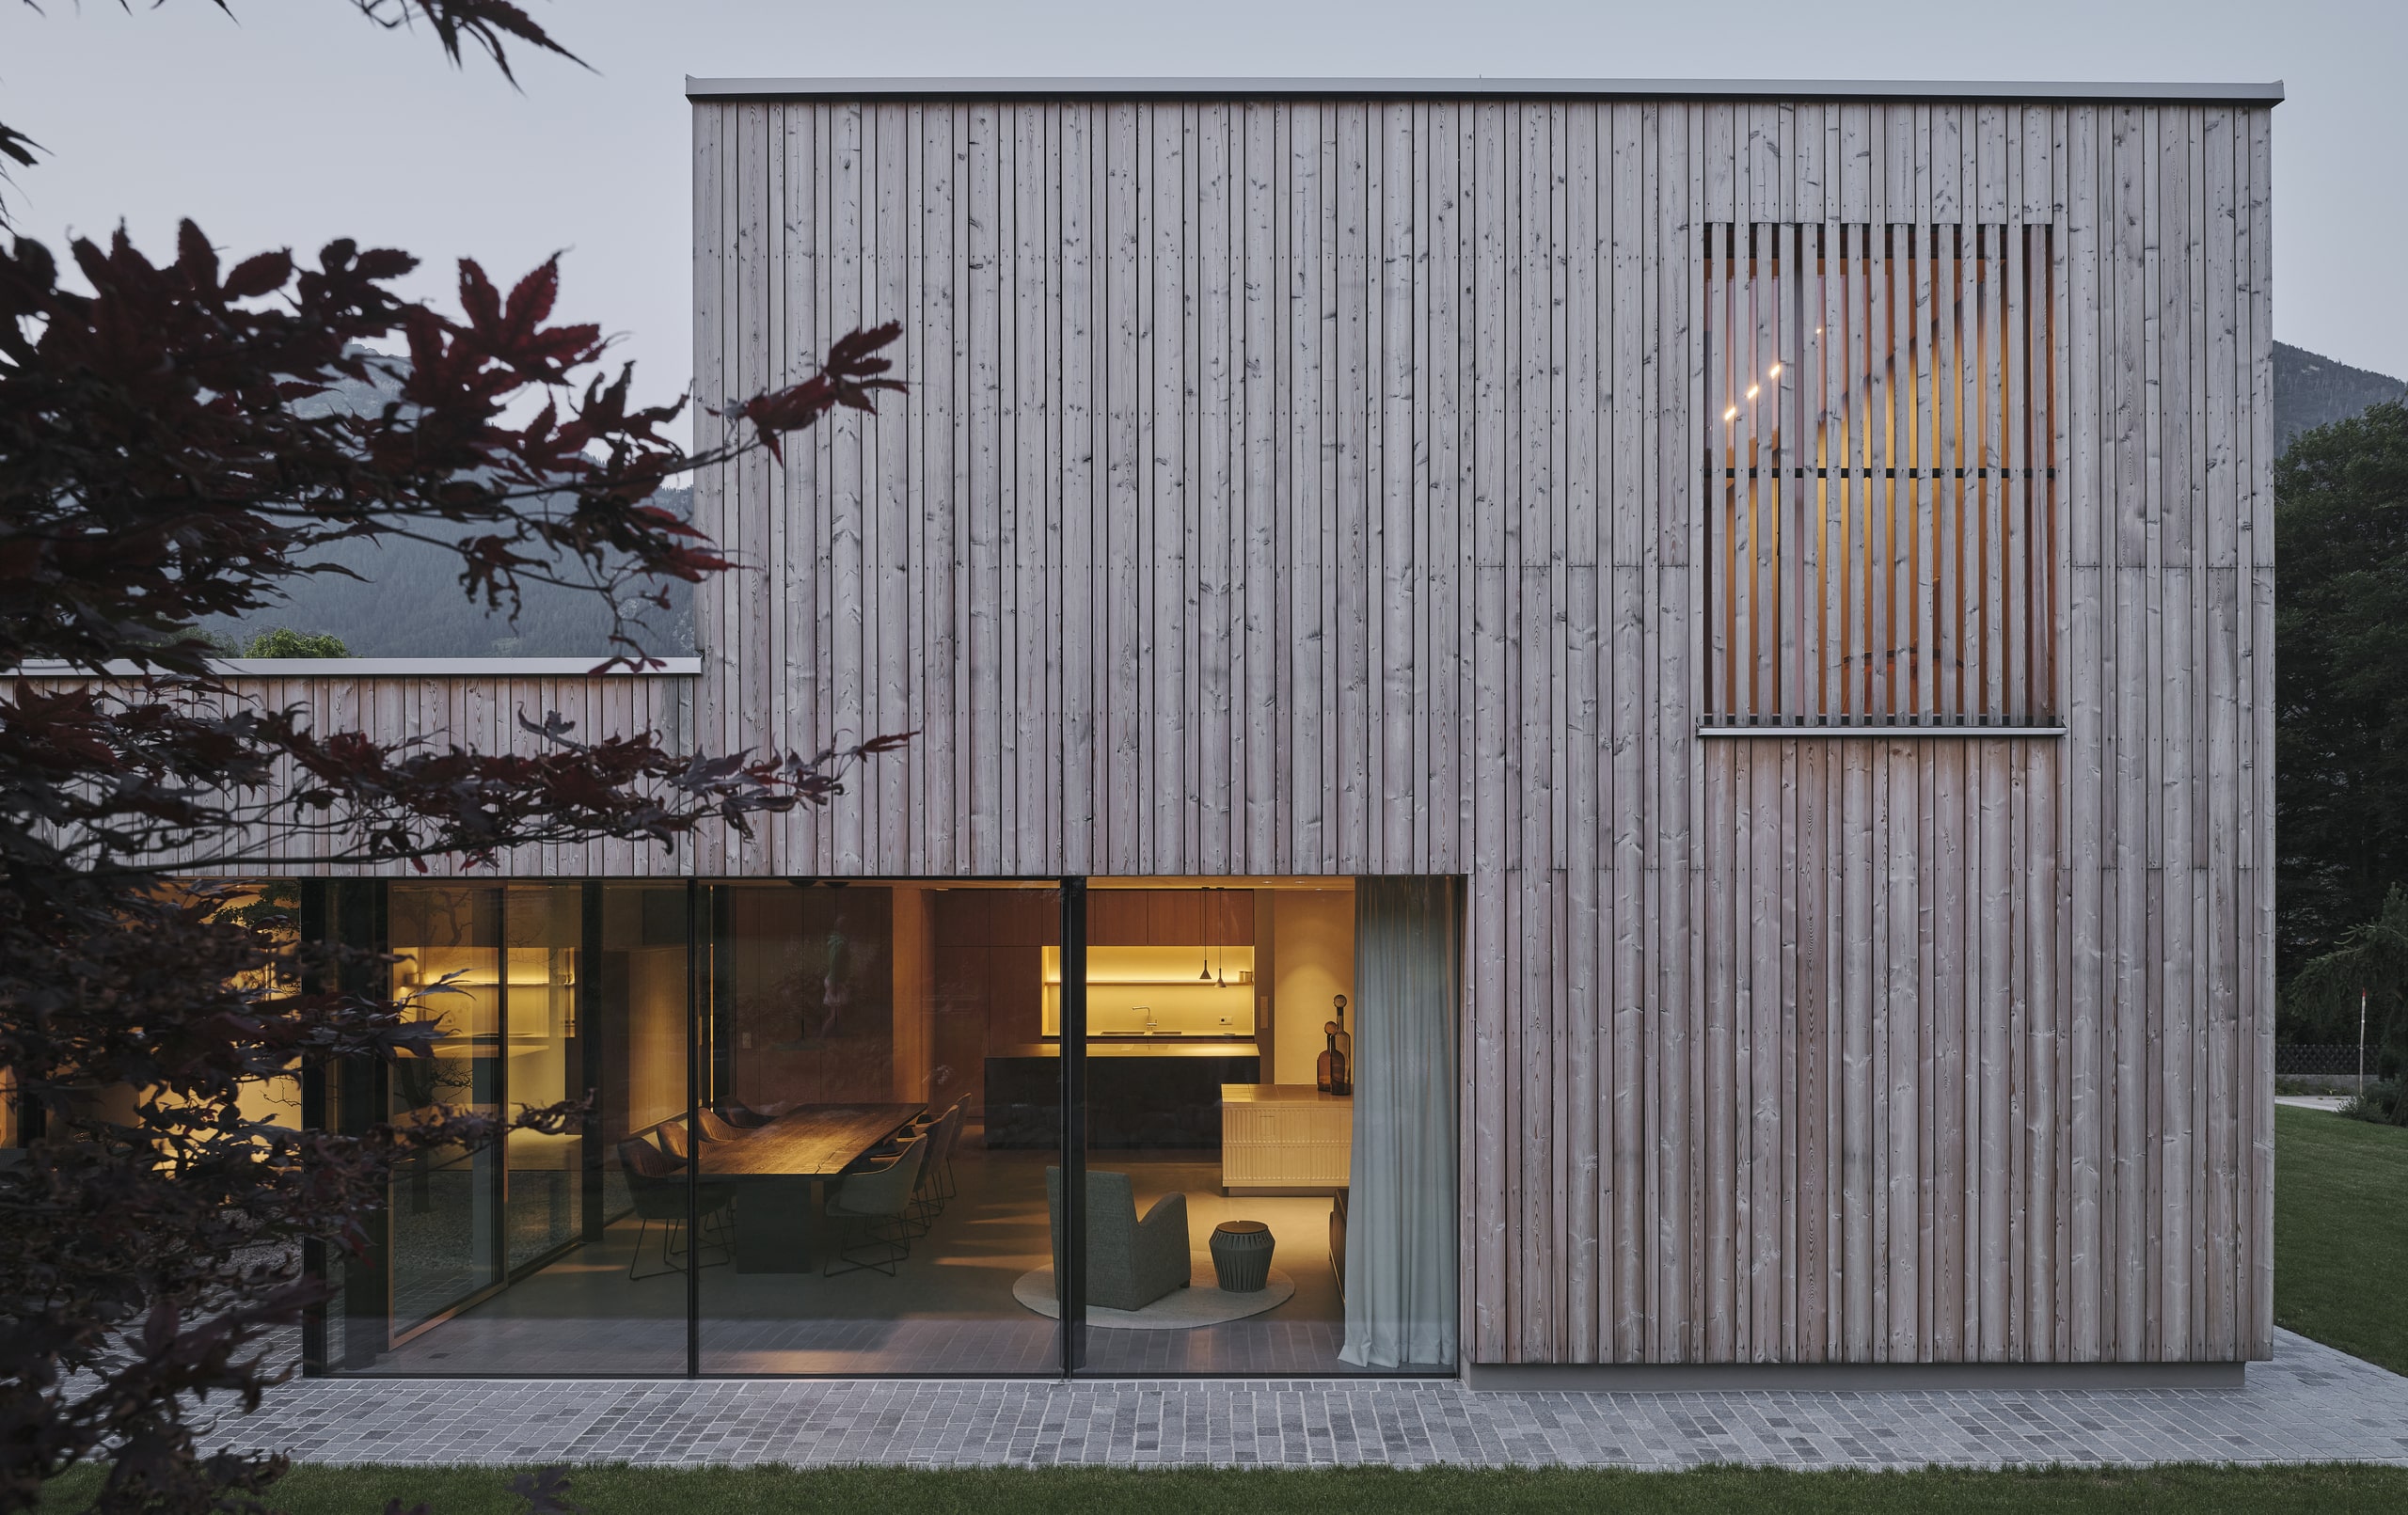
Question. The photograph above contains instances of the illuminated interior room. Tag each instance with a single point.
(825, 1132)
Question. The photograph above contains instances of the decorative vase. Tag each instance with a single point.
(1343, 1083)
(1241, 1255)
(1334, 1072)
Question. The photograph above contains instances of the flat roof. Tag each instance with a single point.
(1260, 89)
(380, 667)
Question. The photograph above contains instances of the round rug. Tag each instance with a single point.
(1202, 1302)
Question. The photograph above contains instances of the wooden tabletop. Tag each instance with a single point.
(809, 1140)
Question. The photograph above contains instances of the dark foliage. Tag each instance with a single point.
(2367, 973)
(2341, 727)
(283, 642)
(170, 454)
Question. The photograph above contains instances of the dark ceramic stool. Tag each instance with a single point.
(1241, 1255)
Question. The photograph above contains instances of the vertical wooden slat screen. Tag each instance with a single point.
(1880, 474)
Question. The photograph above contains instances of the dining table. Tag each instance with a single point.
(778, 1172)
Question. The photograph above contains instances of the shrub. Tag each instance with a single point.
(281, 641)
(2379, 1102)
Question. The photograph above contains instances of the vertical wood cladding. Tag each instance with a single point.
(1292, 486)
(477, 712)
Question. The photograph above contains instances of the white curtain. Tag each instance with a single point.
(1401, 1213)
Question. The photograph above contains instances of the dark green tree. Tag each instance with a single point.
(2371, 961)
(2341, 695)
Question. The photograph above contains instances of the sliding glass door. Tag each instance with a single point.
(1224, 1029)
(876, 1110)
(914, 1127)
(444, 1210)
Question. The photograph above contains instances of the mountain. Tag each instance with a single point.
(406, 600)
(2312, 391)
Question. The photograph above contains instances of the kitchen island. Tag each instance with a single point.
(1285, 1138)
(1142, 1092)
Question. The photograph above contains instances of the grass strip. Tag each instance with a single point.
(2190, 1489)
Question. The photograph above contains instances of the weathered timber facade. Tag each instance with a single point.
(1321, 480)
(1297, 483)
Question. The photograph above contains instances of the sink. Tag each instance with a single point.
(1162, 1035)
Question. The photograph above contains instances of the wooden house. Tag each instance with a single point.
(1795, 560)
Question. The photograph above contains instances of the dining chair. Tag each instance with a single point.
(743, 1117)
(960, 1115)
(928, 1195)
(657, 1189)
(870, 1210)
(671, 1136)
(706, 1121)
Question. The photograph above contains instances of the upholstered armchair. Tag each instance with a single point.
(1130, 1263)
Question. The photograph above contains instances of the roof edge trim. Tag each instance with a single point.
(766, 88)
(382, 668)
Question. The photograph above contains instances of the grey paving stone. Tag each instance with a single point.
(2310, 1403)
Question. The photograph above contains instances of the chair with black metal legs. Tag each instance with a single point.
(656, 1186)
(928, 1195)
(960, 1114)
(871, 1212)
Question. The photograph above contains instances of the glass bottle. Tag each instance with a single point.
(1334, 1074)
(1345, 1045)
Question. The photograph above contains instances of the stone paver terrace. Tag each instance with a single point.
(2310, 1403)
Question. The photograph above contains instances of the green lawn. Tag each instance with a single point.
(2341, 1233)
(2191, 1490)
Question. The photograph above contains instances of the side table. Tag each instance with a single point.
(1241, 1255)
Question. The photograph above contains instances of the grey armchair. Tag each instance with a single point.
(1130, 1263)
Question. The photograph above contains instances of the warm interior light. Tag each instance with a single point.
(1751, 391)
(1733, 414)
(1773, 373)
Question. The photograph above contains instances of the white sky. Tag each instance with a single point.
(296, 121)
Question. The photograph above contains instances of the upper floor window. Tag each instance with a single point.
(1880, 483)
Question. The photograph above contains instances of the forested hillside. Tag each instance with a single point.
(2311, 390)
(406, 601)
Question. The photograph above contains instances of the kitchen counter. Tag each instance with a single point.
(1280, 1094)
(1285, 1138)
(1141, 1047)
(1163, 1092)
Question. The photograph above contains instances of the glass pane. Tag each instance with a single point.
(444, 1206)
(879, 1110)
(539, 1256)
(542, 1193)
(1206, 1016)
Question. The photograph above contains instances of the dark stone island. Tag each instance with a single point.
(1140, 1093)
